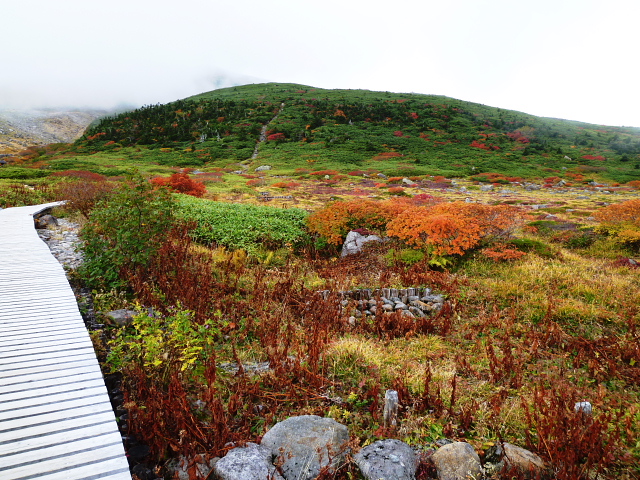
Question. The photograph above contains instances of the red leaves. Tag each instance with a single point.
(181, 183)
(276, 137)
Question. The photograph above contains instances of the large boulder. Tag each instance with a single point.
(515, 460)
(45, 221)
(122, 317)
(457, 461)
(389, 459)
(252, 462)
(355, 241)
(307, 444)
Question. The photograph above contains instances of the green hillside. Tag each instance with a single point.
(347, 130)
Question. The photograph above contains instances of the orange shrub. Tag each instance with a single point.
(445, 234)
(325, 172)
(619, 214)
(502, 253)
(336, 220)
(453, 228)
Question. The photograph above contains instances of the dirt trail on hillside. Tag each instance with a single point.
(263, 133)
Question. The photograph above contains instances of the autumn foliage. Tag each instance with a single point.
(336, 220)
(621, 221)
(453, 228)
(181, 183)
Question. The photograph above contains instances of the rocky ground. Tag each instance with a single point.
(63, 241)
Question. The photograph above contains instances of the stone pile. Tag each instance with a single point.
(413, 302)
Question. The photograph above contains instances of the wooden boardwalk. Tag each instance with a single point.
(56, 421)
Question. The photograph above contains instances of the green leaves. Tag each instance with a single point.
(159, 344)
(245, 227)
(124, 232)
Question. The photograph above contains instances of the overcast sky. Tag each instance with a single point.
(573, 59)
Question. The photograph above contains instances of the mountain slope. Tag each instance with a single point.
(20, 129)
(360, 129)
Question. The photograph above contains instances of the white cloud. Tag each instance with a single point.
(563, 58)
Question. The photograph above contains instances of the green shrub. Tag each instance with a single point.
(124, 231)
(534, 246)
(408, 256)
(245, 227)
(17, 173)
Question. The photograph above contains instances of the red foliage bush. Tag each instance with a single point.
(478, 144)
(276, 137)
(593, 157)
(254, 182)
(182, 183)
(80, 174)
(82, 196)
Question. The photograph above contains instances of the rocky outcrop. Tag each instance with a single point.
(389, 459)
(355, 242)
(20, 129)
(515, 460)
(252, 462)
(306, 445)
(457, 461)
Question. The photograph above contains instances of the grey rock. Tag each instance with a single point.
(183, 466)
(122, 317)
(306, 444)
(263, 168)
(387, 459)
(457, 461)
(382, 175)
(252, 462)
(486, 188)
(355, 241)
(584, 407)
(400, 306)
(45, 221)
(421, 305)
(515, 459)
(433, 298)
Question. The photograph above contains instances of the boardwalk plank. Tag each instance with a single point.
(56, 421)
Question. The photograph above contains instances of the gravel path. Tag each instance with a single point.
(63, 241)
